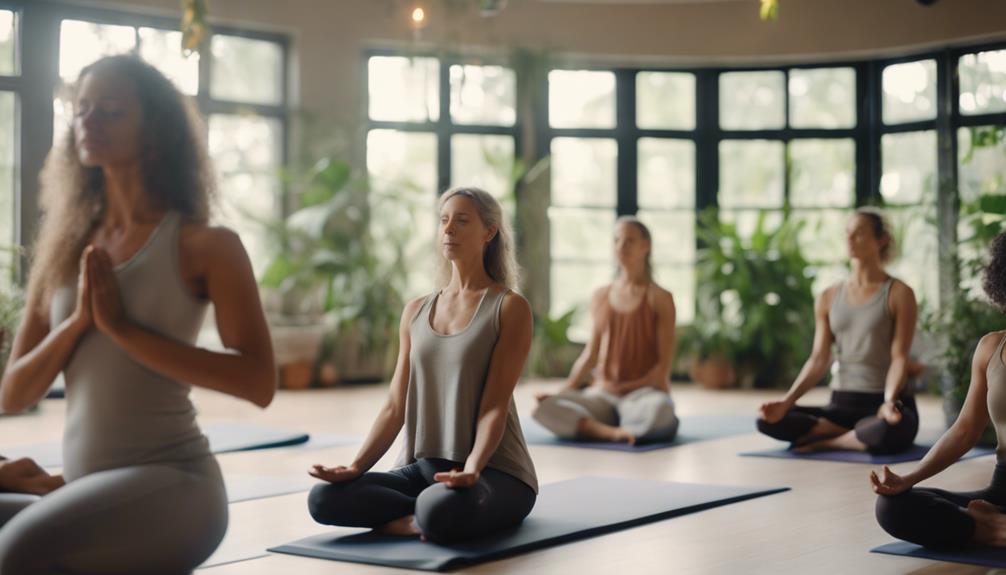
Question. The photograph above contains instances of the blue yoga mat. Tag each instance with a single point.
(984, 556)
(223, 437)
(692, 428)
(565, 511)
(915, 453)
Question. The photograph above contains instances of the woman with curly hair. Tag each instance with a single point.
(125, 266)
(870, 319)
(938, 518)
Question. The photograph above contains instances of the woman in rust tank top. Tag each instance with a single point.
(629, 356)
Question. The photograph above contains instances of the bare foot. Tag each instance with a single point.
(401, 527)
(846, 441)
(593, 429)
(990, 523)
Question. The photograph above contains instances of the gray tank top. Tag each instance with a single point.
(863, 335)
(995, 375)
(119, 412)
(447, 374)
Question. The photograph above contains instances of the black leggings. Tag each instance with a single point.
(444, 515)
(852, 410)
(934, 517)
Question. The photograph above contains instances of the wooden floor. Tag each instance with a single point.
(824, 525)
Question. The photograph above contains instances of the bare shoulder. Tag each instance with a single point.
(987, 347)
(825, 299)
(200, 241)
(901, 292)
(412, 309)
(660, 297)
(515, 308)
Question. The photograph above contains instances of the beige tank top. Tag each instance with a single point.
(447, 374)
(995, 375)
(118, 411)
(863, 335)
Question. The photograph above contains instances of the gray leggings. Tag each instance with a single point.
(497, 502)
(159, 518)
(646, 413)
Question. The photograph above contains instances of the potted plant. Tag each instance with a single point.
(552, 352)
(706, 352)
(754, 296)
(334, 300)
(965, 315)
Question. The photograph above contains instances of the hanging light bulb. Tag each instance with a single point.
(418, 17)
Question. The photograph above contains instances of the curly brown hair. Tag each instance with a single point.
(994, 276)
(177, 176)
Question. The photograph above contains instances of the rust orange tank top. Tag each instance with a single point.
(629, 347)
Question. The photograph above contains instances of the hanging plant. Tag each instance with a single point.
(194, 25)
(769, 10)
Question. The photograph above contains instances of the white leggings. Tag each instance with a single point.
(157, 518)
(647, 413)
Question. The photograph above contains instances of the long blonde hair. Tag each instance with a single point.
(177, 175)
(498, 258)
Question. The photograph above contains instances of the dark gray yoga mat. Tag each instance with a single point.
(224, 438)
(984, 556)
(915, 453)
(565, 511)
(692, 428)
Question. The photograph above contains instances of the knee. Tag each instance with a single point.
(881, 437)
(325, 501)
(19, 556)
(774, 430)
(446, 515)
(892, 511)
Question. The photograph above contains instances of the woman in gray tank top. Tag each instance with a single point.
(464, 470)
(870, 320)
(954, 520)
(125, 268)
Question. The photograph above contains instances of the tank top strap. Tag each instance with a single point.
(424, 309)
(998, 357)
(497, 308)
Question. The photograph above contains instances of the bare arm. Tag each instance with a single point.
(905, 315)
(588, 357)
(505, 367)
(248, 371)
(390, 418)
(38, 353)
(962, 435)
(815, 366)
(658, 375)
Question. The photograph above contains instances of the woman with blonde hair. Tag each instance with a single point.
(465, 471)
(870, 319)
(631, 346)
(125, 268)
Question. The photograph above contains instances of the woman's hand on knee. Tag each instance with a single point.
(889, 482)
(774, 411)
(337, 474)
(457, 478)
(25, 476)
(889, 412)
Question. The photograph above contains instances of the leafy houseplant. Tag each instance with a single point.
(552, 352)
(333, 286)
(754, 297)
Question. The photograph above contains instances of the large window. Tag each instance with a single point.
(908, 151)
(9, 141)
(789, 146)
(244, 103)
(423, 139)
(807, 143)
